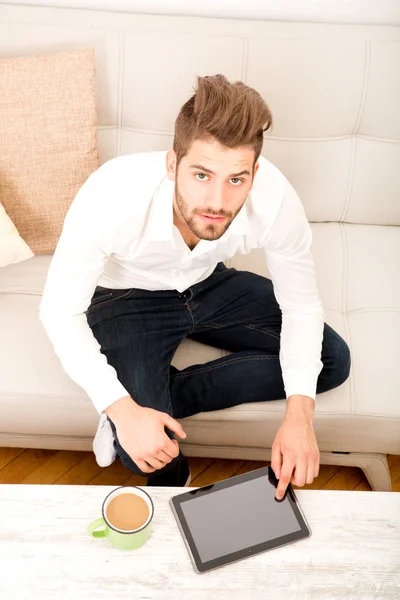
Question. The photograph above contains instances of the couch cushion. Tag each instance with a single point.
(48, 144)
(26, 277)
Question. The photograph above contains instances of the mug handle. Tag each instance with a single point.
(94, 525)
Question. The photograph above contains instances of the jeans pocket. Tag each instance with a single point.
(105, 296)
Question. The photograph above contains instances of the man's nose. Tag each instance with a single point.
(216, 198)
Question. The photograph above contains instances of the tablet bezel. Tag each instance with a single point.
(202, 567)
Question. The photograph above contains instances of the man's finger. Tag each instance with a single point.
(282, 485)
(286, 474)
(310, 473)
(154, 462)
(301, 472)
(174, 425)
(171, 447)
(276, 460)
(163, 457)
(316, 467)
(144, 466)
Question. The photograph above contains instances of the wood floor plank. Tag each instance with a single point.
(26, 463)
(346, 478)
(198, 465)
(116, 474)
(396, 486)
(393, 460)
(136, 480)
(250, 465)
(9, 454)
(219, 470)
(81, 473)
(394, 466)
(363, 486)
(36, 466)
(55, 467)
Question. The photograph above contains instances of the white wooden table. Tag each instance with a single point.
(46, 552)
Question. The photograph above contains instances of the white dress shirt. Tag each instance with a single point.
(119, 233)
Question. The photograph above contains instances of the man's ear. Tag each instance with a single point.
(171, 164)
(256, 167)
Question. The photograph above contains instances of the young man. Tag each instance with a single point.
(139, 267)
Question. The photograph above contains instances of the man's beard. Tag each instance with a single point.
(206, 231)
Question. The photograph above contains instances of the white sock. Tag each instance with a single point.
(103, 443)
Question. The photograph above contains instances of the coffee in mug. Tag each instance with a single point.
(127, 517)
(127, 512)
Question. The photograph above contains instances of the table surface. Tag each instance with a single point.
(46, 552)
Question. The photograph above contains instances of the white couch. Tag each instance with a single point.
(334, 91)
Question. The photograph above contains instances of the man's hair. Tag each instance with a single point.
(232, 113)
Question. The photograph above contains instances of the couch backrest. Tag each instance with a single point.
(334, 91)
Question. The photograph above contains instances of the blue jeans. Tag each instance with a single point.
(140, 330)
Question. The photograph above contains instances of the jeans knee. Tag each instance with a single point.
(337, 359)
(343, 362)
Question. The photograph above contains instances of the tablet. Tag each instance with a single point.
(237, 518)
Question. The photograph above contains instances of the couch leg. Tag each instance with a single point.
(374, 466)
(376, 470)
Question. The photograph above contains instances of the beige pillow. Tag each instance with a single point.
(13, 249)
(48, 142)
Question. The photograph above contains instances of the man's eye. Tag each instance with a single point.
(201, 175)
(235, 179)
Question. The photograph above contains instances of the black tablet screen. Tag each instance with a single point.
(237, 517)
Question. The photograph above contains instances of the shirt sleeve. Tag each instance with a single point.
(290, 262)
(84, 246)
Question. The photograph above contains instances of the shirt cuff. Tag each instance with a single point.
(103, 396)
(300, 381)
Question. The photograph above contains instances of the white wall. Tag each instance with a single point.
(375, 12)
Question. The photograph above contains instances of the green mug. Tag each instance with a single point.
(118, 538)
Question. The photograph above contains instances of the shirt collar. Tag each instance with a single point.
(159, 225)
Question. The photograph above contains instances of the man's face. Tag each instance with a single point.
(211, 185)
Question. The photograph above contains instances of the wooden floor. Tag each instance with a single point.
(19, 465)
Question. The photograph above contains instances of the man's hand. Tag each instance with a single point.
(297, 444)
(141, 433)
